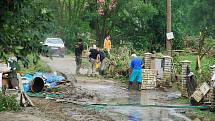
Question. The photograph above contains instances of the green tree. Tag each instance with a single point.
(22, 24)
(68, 22)
(202, 16)
(126, 22)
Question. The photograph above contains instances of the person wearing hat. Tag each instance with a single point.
(136, 73)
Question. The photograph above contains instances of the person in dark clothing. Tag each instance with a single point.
(79, 47)
(93, 53)
(93, 58)
(102, 59)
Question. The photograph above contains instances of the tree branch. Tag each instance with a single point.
(202, 55)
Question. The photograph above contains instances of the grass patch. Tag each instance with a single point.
(203, 114)
(206, 62)
(9, 103)
(35, 67)
(181, 100)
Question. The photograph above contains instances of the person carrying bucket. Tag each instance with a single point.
(136, 71)
(93, 59)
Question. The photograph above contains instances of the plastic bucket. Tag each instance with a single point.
(97, 65)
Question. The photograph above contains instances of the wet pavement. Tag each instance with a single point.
(134, 110)
(110, 92)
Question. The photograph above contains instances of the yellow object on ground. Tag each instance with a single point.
(97, 65)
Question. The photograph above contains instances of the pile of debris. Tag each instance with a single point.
(38, 81)
(53, 86)
(198, 95)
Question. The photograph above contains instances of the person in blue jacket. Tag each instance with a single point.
(136, 71)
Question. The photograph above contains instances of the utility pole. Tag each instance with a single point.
(168, 26)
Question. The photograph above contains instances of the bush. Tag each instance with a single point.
(34, 67)
(8, 103)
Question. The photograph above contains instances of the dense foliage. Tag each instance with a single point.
(141, 24)
(22, 25)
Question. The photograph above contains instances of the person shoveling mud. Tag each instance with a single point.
(136, 71)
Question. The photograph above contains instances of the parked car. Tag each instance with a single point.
(56, 46)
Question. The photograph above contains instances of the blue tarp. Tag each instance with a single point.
(29, 77)
(52, 78)
(49, 78)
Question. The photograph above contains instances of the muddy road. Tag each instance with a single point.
(86, 94)
(111, 93)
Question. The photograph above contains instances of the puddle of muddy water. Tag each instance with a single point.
(149, 114)
(135, 113)
(113, 95)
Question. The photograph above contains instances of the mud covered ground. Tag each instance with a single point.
(83, 91)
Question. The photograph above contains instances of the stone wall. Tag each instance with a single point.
(165, 75)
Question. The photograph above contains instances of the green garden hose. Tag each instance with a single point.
(153, 106)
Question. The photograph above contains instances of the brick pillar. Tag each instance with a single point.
(212, 95)
(167, 73)
(184, 76)
(147, 60)
(153, 61)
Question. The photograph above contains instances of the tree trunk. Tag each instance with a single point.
(168, 25)
(198, 64)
